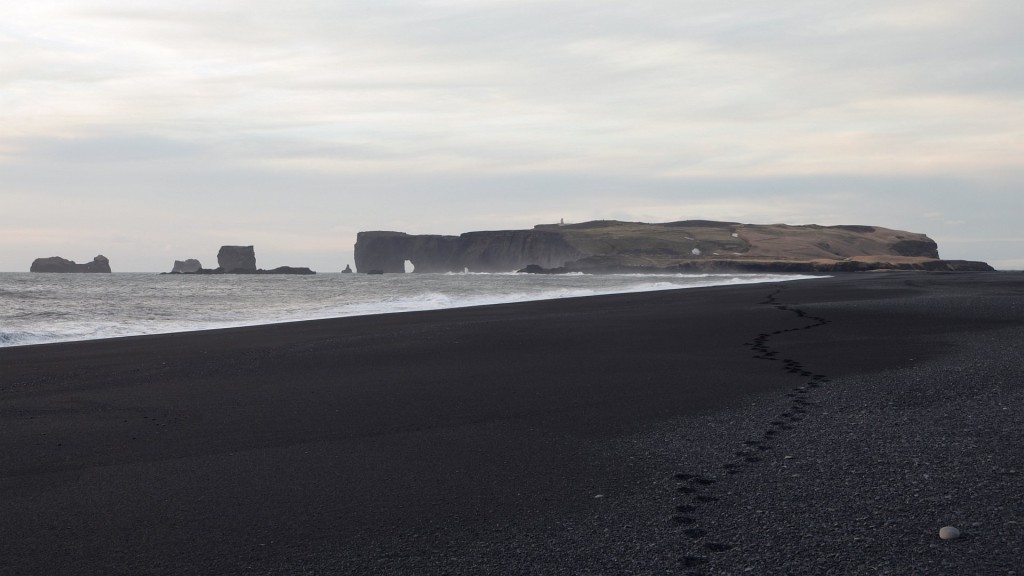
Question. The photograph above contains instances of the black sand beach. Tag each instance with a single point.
(826, 426)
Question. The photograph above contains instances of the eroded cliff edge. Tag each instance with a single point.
(499, 251)
(685, 246)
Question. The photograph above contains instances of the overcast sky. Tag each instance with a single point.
(150, 131)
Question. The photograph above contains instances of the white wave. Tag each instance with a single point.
(21, 338)
(225, 304)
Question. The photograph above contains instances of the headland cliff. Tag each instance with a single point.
(609, 246)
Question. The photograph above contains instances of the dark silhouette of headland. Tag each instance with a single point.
(609, 246)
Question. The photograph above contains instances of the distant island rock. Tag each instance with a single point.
(347, 270)
(99, 264)
(610, 246)
(234, 260)
(237, 259)
(190, 266)
(286, 270)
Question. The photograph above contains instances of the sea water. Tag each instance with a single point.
(41, 308)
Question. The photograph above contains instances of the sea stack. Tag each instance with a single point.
(99, 264)
(234, 260)
(237, 259)
(190, 266)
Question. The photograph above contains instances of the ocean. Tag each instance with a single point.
(45, 308)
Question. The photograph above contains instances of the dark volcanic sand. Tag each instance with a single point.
(817, 427)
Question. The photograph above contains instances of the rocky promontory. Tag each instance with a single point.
(99, 264)
(609, 246)
(501, 251)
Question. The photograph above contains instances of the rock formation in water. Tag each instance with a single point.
(237, 259)
(686, 246)
(190, 266)
(347, 270)
(287, 270)
(57, 264)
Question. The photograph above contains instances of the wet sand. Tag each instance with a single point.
(826, 426)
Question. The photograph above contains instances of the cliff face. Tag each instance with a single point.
(500, 251)
(513, 249)
(99, 264)
(691, 245)
(237, 259)
(388, 251)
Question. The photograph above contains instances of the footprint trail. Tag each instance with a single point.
(697, 491)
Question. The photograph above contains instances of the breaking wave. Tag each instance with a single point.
(37, 309)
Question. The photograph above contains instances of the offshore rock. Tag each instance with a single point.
(190, 266)
(609, 246)
(99, 264)
(347, 270)
(237, 259)
(234, 260)
(287, 270)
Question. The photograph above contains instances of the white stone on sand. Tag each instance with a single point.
(949, 532)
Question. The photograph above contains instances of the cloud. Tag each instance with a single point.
(99, 149)
(444, 116)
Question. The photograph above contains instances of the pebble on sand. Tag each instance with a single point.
(949, 532)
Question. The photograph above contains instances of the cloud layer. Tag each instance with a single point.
(151, 131)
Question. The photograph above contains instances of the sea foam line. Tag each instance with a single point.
(430, 300)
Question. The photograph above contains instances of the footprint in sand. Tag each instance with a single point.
(695, 533)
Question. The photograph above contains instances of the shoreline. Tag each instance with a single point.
(412, 302)
(585, 435)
